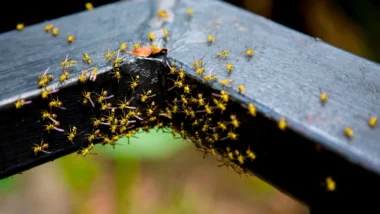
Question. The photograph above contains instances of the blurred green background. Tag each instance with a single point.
(157, 174)
(153, 174)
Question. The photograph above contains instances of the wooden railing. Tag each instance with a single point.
(320, 150)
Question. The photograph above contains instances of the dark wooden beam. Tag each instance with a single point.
(283, 79)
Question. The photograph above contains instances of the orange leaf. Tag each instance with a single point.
(143, 51)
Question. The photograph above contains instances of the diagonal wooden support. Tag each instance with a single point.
(283, 79)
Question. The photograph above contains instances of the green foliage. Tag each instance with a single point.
(126, 173)
(260, 187)
(147, 146)
(9, 185)
(79, 171)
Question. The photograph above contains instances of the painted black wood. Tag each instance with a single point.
(283, 79)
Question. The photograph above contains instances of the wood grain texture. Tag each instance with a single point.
(26, 55)
(283, 79)
(285, 76)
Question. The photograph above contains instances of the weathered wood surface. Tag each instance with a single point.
(283, 79)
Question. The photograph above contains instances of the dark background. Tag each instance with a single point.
(353, 25)
(104, 184)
